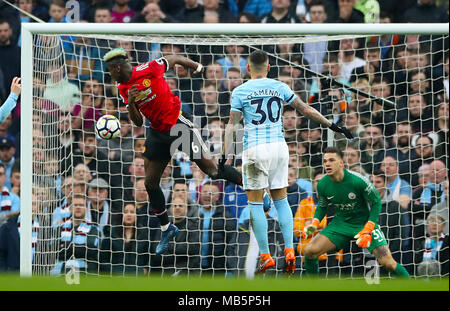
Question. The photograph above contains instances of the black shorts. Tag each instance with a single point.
(183, 136)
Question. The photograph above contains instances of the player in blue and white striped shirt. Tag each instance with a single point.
(265, 158)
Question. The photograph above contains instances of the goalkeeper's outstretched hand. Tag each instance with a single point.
(341, 129)
(364, 237)
(310, 229)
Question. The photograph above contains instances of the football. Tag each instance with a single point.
(108, 127)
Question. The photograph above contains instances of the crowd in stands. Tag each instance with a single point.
(90, 205)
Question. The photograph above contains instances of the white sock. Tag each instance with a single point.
(165, 227)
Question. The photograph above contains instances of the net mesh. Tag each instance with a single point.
(90, 205)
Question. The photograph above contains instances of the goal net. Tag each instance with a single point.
(84, 202)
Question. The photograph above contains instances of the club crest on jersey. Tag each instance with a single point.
(146, 82)
(351, 196)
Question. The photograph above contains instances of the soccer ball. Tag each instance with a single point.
(108, 127)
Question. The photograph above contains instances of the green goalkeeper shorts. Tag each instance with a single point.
(340, 234)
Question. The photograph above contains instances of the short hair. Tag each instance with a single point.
(377, 79)
(258, 58)
(79, 195)
(317, 2)
(180, 181)
(209, 83)
(16, 167)
(379, 173)
(3, 165)
(252, 18)
(234, 69)
(331, 57)
(372, 46)
(115, 57)
(60, 3)
(334, 150)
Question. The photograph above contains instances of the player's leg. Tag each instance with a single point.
(319, 245)
(278, 182)
(259, 225)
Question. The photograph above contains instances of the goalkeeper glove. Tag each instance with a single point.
(311, 228)
(341, 129)
(364, 237)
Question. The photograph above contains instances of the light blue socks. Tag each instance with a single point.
(286, 221)
(259, 224)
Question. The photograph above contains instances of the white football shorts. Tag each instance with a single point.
(265, 165)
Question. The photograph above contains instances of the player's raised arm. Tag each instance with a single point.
(315, 115)
(173, 60)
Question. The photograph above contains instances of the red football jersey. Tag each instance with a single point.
(155, 100)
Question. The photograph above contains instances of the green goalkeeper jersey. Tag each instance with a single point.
(354, 199)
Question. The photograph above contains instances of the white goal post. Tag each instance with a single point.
(29, 30)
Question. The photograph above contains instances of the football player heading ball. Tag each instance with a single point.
(147, 94)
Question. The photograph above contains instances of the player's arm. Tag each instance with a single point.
(11, 101)
(173, 60)
(373, 199)
(230, 131)
(319, 214)
(311, 113)
(133, 112)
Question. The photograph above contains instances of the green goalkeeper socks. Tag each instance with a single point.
(311, 266)
(401, 271)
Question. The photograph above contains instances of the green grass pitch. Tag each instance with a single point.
(40, 283)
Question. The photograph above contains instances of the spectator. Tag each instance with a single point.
(255, 7)
(425, 11)
(438, 174)
(143, 208)
(233, 58)
(297, 160)
(120, 149)
(352, 122)
(418, 114)
(280, 13)
(434, 246)
(57, 12)
(225, 16)
(423, 154)
(86, 114)
(314, 52)
(82, 173)
(97, 162)
(15, 178)
(374, 65)
(125, 250)
(95, 11)
(441, 129)
(191, 13)
(295, 193)
(7, 159)
(233, 78)
(248, 17)
(183, 255)
(152, 13)
(218, 247)
(441, 208)
(304, 216)
(311, 132)
(370, 9)
(216, 131)
(84, 60)
(402, 149)
(235, 197)
(59, 90)
(386, 42)
(391, 221)
(348, 13)
(352, 160)
(167, 181)
(9, 202)
(291, 121)
(10, 237)
(79, 244)
(98, 206)
(376, 114)
(399, 188)
(69, 188)
(121, 12)
(9, 54)
(211, 107)
(347, 55)
(135, 171)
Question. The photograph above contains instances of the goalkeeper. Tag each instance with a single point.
(357, 205)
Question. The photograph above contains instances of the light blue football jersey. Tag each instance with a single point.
(261, 102)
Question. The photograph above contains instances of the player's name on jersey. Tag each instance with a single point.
(264, 92)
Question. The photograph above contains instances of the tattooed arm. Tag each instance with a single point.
(315, 115)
